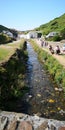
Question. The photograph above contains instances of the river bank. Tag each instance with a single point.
(56, 69)
(42, 96)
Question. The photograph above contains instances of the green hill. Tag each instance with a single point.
(3, 28)
(13, 31)
(56, 24)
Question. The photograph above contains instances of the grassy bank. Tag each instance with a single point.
(9, 49)
(51, 64)
(12, 76)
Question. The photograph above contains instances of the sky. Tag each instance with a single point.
(29, 14)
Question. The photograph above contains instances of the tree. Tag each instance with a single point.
(56, 38)
(4, 38)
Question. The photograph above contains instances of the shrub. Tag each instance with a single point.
(62, 33)
(56, 38)
(4, 38)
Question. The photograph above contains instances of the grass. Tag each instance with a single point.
(12, 75)
(51, 64)
(56, 24)
(5, 53)
(7, 50)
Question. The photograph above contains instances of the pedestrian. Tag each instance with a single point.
(42, 42)
(57, 50)
(51, 49)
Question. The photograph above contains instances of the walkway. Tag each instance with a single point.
(59, 58)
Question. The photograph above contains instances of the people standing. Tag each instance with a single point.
(57, 50)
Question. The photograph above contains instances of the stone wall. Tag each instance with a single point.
(19, 121)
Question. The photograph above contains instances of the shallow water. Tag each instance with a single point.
(44, 99)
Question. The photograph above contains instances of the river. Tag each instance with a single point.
(44, 99)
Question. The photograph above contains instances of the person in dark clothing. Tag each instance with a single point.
(51, 49)
(57, 49)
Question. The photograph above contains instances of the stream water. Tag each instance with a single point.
(44, 99)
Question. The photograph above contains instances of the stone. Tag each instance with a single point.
(43, 126)
(12, 125)
(20, 121)
(3, 122)
(53, 127)
(25, 125)
(61, 128)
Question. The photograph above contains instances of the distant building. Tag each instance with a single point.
(8, 33)
(51, 34)
(22, 36)
(34, 34)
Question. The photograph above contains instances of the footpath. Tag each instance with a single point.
(60, 58)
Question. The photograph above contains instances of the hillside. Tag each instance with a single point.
(13, 31)
(3, 28)
(56, 24)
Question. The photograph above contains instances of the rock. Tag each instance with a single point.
(59, 89)
(53, 127)
(3, 121)
(30, 96)
(62, 112)
(25, 125)
(39, 95)
(20, 121)
(43, 126)
(12, 125)
(38, 114)
(61, 128)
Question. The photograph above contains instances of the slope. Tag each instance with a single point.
(56, 24)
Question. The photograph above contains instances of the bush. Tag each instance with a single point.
(62, 33)
(4, 38)
(56, 38)
(12, 78)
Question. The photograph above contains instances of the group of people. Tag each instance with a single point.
(56, 50)
(44, 43)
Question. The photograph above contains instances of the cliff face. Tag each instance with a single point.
(19, 121)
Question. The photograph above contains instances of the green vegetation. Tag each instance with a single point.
(4, 38)
(54, 38)
(7, 50)
(12, 77)
(62, 33)
(58, 24)
(4, 52)
(51, 64)
(3, 28)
